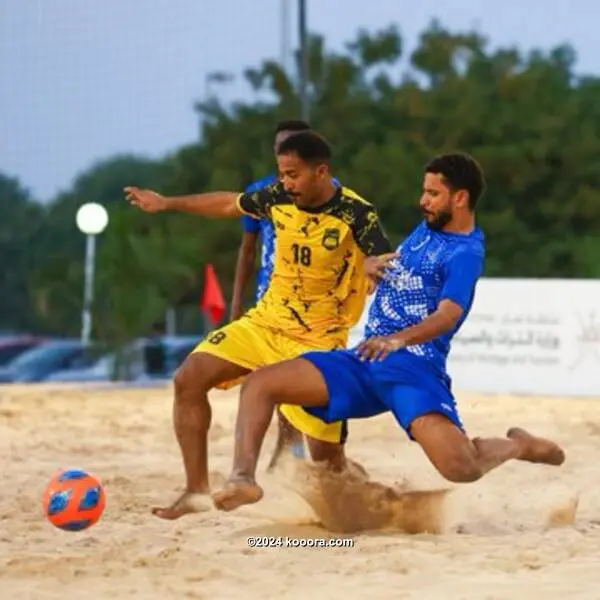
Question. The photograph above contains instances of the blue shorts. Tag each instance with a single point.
(401, 384)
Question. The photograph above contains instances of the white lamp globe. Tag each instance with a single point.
(91, 218)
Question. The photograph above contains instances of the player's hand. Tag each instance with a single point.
(147, 200)
(377, 348)
(375, 266)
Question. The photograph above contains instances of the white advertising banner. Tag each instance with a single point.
(528, 336)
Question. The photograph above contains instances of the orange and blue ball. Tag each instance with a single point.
(73, 500)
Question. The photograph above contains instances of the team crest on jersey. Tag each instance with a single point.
(331, 239)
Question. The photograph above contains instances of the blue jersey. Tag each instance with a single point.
(433, 265)
(264, 228)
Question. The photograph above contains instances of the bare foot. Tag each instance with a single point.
(536, 449)
(236, 493)
(188, 502)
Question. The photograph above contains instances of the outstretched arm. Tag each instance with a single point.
(213, 204)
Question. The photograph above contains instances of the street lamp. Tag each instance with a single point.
(91, 220)
(303, 35)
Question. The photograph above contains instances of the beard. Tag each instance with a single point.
(438, 220)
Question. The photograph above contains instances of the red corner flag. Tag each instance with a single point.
(212, 303)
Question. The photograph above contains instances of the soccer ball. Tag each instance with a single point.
(73, 500)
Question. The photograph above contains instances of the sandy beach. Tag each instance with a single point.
(515, 534)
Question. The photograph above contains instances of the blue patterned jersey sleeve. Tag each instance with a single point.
(462, 272)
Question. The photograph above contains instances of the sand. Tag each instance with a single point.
(525, 531)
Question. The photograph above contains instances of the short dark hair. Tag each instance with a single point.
(291, 125)
(460, 171)
(308, 145)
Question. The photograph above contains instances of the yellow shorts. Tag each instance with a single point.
(251, 345)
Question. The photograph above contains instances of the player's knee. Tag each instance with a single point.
(460, 469)
(191, 376)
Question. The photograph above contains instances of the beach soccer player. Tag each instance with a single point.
(422, 299)
(316, 294)
(255, 230)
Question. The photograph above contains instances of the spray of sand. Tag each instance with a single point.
(349, 502)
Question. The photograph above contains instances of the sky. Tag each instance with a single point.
(82, 80)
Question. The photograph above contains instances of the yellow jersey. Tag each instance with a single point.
(317, 288)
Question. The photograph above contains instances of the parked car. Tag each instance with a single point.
(176, 348)
(38, 363)
(13, 345)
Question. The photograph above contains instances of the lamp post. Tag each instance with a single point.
(285, 34)
(304, 75)
(91, 220)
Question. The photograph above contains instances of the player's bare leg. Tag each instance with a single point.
(462, 460)
(330, 453)
(288, 439)
(291, 382)
(191, 418)
(333, 457)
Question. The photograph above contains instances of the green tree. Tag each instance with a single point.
(57, 280)
(532, 123)
(20, 222)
